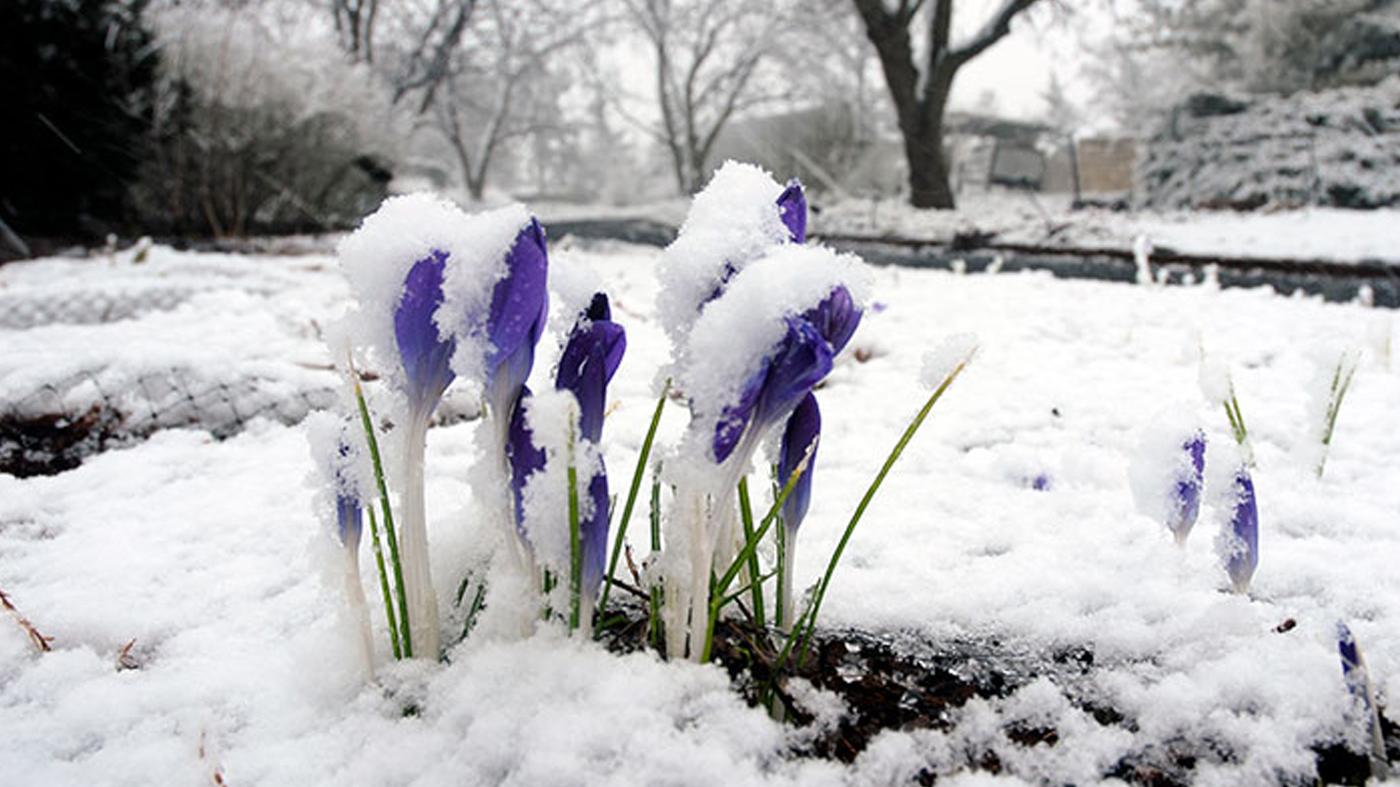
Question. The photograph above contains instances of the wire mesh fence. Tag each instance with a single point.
(57, 425)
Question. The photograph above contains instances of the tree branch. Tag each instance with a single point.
(996, 28)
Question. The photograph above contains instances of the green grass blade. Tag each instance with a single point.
(811, 623)
(390, 535)
(384, 584)
(720, 586)
(632, 496)
(746, 517)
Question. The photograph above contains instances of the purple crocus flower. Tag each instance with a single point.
(803, 358)
(1353, 668)
(799, 436)
(1242, 542)
(836, 318)
(519, 307)
(801, 432)
(1187, 503)
(591, 356)
(1358, 682)
(425, 354)
(792, 209)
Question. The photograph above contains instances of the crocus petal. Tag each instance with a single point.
(802, 429)
(836, 317)
(519, 307)
(792, 209)
(1353, 671)
(801, 360)
(426, 356)
(593, 533)
(523, 457)
(588, 363)
(590, 358)
(1188, 489)
(1243, 554)
(734, 419)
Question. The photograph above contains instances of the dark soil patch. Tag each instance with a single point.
(900, 682)
(48, 444)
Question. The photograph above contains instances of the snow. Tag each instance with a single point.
(734, 220)
(1163, 462)
(552, 418)
(1316, 233)
(212, 556)
(944, 361)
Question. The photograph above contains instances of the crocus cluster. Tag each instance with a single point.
(760, 320)
(443, 297)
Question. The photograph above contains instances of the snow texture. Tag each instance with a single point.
(733, 221)
(210, 555)
(552, 418)
(955, 351)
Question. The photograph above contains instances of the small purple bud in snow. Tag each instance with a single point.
(1358, 683)
(878, 307)
(1242, 543)
(1353, 670)
(792, 209)
(426, 356)
(348, 522)
(519, 306)
(801, 360)
(1041, 483)
(347, 504)
(1187, 504)
(801, 432)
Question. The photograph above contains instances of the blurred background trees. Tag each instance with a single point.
(232, 117)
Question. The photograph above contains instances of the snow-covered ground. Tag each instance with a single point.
(207, 559)
(1045, 220)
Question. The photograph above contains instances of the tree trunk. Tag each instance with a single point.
(928, 171)
(928, 168)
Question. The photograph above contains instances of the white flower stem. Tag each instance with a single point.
(418, 579)
(359, 609)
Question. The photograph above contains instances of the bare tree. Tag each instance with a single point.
(920, 95)
(425, 43)
(708, 54)
(503, 83)
(354, 25)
